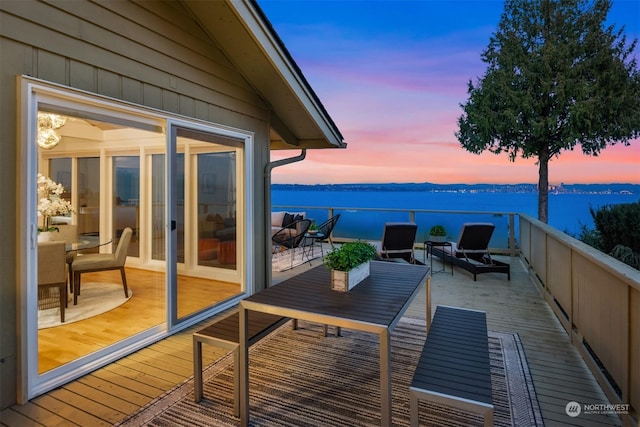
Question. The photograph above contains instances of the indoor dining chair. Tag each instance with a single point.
(101, 262)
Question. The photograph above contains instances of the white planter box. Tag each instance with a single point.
(344, 281)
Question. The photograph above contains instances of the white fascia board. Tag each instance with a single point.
(272, 48)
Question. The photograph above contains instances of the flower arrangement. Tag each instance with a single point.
(50, 202)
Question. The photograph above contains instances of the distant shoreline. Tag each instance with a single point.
(616, 188)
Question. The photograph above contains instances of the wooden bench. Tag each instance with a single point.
(225, 333)
(454, 367)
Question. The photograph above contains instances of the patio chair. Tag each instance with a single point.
(471, 251)
(291, 237)
(68, 233)
(52, 273)
(398, 239)
(102, 262)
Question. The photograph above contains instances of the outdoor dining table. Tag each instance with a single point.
(375, 306)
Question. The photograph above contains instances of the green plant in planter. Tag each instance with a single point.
(349, 256)
(437, 231)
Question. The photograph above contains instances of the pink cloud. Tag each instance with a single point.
(396, 95)
(444, 162)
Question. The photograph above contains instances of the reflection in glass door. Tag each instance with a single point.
(126, 200)
(159, 207)
(208, 218)
(216, 191)
(89, 200)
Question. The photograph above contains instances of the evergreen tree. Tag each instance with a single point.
(557, 77)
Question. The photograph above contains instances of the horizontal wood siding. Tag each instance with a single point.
(129, 42)
(151, 53)
(10, 53)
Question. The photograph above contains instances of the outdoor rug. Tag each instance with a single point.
(300, 378)
(281, 260)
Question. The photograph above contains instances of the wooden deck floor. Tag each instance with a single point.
(107, 395)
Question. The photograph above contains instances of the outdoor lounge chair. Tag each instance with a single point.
(398, 239)
(471, 252)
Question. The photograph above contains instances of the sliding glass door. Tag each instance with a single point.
(181, 189)
(206, 220)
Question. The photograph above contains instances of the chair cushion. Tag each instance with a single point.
(277, 218)
(287, 220)
(93, 261)
(294, 218)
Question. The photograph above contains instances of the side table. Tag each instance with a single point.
(428, 251)
(316, 239)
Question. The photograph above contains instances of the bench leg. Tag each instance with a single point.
(414, 408)
(236, 381)
(385, 377)
(488, 418)
(337, 332)
(197, 370)
(428, 302)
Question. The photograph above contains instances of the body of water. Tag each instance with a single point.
(567, 211)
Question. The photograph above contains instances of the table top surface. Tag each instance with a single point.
(379, 299)
(85, 244)
(316, 235)
(435, 243)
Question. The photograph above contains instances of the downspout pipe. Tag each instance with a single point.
(267, 200)
(282, 162)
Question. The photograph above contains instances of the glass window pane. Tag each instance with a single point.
(217, 202)
(126, 199)
(89, 197)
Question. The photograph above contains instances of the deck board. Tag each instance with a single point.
(559, 373)
(127, 395)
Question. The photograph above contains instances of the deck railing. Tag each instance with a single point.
(367, 223)
(595, 297)
(597, 300)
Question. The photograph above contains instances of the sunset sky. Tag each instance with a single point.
(393, 73)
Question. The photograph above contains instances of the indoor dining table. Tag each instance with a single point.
(375, 306)
(85, 244)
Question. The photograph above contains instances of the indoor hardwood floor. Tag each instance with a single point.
(145, 309)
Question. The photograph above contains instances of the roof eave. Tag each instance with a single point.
(244, 33)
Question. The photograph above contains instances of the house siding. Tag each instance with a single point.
(152, 54)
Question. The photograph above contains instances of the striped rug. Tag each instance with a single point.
(300, 378)
(290, 258)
